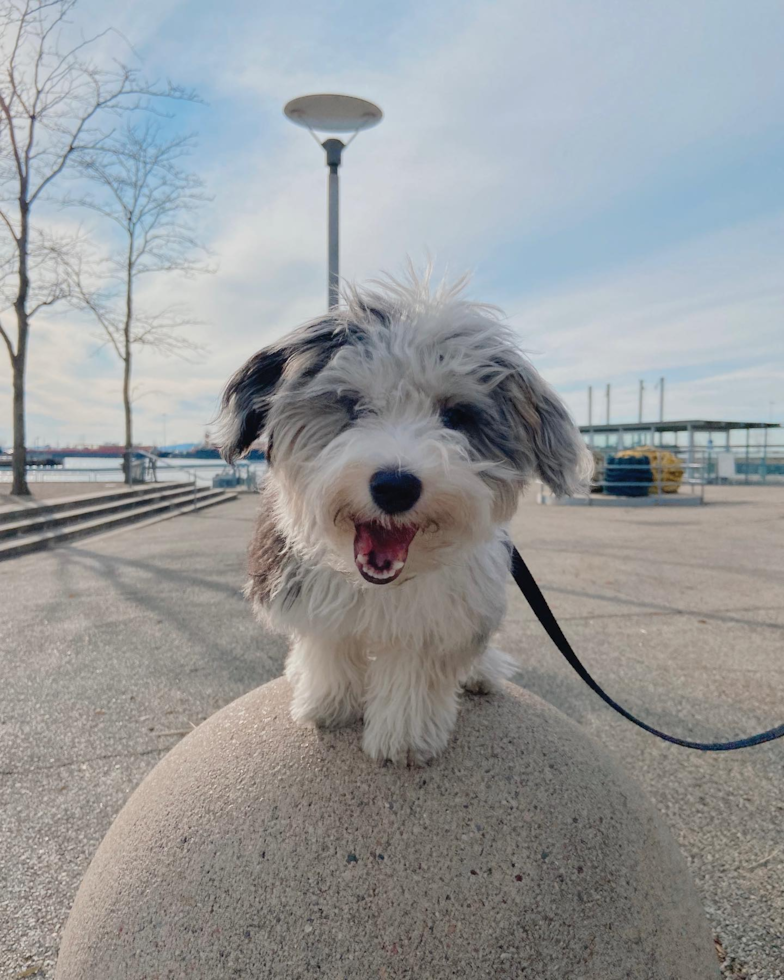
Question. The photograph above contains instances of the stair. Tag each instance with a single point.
(44, 525)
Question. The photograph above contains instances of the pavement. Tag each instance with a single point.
(112, 648)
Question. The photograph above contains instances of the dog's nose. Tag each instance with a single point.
(395, 491)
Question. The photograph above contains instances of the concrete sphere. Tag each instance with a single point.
(258, 849)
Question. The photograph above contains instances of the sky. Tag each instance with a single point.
(611, 173)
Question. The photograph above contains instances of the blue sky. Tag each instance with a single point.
(611, 171)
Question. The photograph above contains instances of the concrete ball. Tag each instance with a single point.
(260, 849)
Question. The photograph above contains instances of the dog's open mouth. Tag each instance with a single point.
(381, 552)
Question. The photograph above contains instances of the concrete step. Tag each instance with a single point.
(85, 500)
(87, 508)
(170, 506)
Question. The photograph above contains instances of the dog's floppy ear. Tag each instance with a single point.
(546, 428)
(246, 400)
(247, 396)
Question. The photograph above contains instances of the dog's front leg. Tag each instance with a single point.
(411, 705)
(327, 678)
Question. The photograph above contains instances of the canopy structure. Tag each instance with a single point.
(760, 458)
(682, 425)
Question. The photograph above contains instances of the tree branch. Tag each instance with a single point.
(8, 224)
(6, 109)
(9, 345)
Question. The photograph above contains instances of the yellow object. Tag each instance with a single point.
(666, 467)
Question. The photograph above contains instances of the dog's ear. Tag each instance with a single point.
(545, 430)
(246, 399)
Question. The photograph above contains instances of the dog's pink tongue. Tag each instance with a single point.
(380, 546)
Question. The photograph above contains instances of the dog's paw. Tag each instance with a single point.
(489, 672)
(390, 743)
(476, 684)
(326, 714)
(384, 746)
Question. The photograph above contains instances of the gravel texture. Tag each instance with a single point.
(111, 648)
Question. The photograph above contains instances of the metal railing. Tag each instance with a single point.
(152, 462)
(145, 468)
(61, 474)
(659, 476)
(745, 465)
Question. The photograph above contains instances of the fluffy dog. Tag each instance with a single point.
(400, 431)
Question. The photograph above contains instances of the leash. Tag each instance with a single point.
(544, 614)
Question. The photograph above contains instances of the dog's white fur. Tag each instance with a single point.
(370, 387)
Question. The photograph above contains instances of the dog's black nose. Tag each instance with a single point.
(395, 490)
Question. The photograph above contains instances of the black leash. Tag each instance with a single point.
(538, 603)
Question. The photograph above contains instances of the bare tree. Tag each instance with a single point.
(53, 98)
(139, 186)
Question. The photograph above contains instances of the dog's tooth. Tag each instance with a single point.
(397, 565)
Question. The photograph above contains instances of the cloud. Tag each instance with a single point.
(582, 159)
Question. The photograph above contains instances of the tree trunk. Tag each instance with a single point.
(127, 407)
(127, 362)
(20, 487)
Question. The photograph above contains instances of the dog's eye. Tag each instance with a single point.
(459, 417)
(350, 405)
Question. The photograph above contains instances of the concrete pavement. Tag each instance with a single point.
(680, 615)
(110, 649)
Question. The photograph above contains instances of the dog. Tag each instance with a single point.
(400, 429)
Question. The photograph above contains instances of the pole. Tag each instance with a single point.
(334, 149)
(590, 415)
(639, 407)
(748, 438)
(607, 396)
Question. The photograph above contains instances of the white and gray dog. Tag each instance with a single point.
(400, 430)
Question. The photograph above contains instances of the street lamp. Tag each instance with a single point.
(333, 114)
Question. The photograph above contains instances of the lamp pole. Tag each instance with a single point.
(336, 114)
(334, 150)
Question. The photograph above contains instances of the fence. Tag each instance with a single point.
(146, 469)
(650, 474)
(643, 476)
(746, 465)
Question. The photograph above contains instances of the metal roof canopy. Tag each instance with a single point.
(696, 425)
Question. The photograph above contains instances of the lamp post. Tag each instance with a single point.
(333, 114)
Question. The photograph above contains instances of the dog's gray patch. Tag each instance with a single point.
(268, 560)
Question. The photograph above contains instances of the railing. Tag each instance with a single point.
(145, 467)
(152, 462)
(62, 474)
(746, 465)
(644, 475)
(248, 480)
(659, 475)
